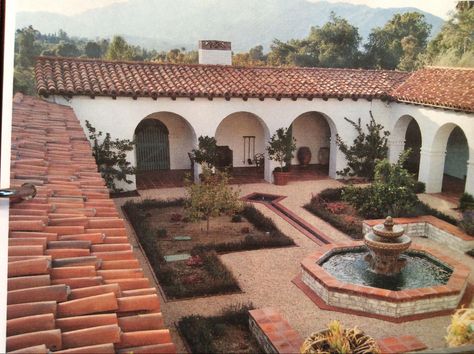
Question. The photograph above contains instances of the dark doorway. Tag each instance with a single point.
(152, 146)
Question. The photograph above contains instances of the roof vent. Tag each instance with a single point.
(215, 52)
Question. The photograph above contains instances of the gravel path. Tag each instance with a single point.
(265, 275)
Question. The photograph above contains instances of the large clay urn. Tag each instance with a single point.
(304, 155)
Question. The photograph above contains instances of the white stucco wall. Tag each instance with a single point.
(181, 138)
(311, 130)
(231, 131)
(121, 116)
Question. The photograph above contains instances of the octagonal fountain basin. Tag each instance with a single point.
(340, 275)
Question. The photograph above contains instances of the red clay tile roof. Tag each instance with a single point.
(74, 284)
(445, 87)
(71, 76)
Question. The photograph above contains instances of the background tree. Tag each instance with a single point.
(92, 50)
(67, 49)
(119, 49)
(335, 44)
(210, 198)
(454, 44)
(366, 150)
(26, 47)
(384, 49)
(111, 157)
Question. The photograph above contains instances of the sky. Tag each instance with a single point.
(71, 7)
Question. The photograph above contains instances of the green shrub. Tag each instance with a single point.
(236, 218)
(201, 333)
(331, 194)
(467, 223)
(420, 187)
(466, 202)
(391, 193)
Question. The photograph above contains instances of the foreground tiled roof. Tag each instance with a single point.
(445, 87)
(74, 284)
(72, 76)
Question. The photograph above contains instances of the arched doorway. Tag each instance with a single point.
(413, 142)
(455, 163)
(163, 143)
(406, 135)
(313, 132)
(241, 138)
(152, 146)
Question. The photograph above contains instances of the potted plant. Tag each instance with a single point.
(461, 329)
(280, 148)
(338, 340)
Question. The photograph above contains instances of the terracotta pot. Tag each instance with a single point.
(281, 178)
(304, 155)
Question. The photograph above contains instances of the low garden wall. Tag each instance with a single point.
(273, 332)
(432, 228)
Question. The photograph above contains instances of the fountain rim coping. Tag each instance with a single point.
(456, 283)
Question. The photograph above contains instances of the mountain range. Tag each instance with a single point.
(167, 24)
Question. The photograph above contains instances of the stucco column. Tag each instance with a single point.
(334, 156)
(395, 148)
(431, 169)
(469, 188)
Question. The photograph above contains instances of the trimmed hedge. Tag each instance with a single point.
(201, 333)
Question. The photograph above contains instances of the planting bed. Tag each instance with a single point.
(328, 205)
(227, 333)
(165, 234)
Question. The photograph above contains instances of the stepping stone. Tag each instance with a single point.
(177, 257)
(182, 238)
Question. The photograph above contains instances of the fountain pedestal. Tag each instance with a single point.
(385, 243)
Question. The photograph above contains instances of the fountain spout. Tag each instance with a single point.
(385, 243)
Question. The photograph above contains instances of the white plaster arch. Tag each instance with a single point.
(181, 135)
(435, 155)
(234, 126)
(397, 139)
(325, 140)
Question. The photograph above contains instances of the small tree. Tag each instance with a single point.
(281, 147)
(111, 157)
(206, 153)
(366, 150)
(391, 193)
(210, 198)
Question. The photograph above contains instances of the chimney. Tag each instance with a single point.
(215, 52)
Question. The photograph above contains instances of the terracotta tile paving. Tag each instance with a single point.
(74, 284)
(401, 344)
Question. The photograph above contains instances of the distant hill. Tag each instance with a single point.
(167, 24)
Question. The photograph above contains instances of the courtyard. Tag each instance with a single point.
(265, 276)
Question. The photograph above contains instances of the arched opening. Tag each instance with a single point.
(455, 163)
(163, 141)
(407, 135)
(241, 138)
(314, 157)
(413, 142)
(152, 146)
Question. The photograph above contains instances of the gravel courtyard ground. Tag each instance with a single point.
(265, 275)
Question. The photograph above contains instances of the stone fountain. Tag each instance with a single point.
(385, 243)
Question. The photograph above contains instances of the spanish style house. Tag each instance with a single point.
(166, 107)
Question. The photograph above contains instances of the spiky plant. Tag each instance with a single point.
(461, 329)
(337, 340)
